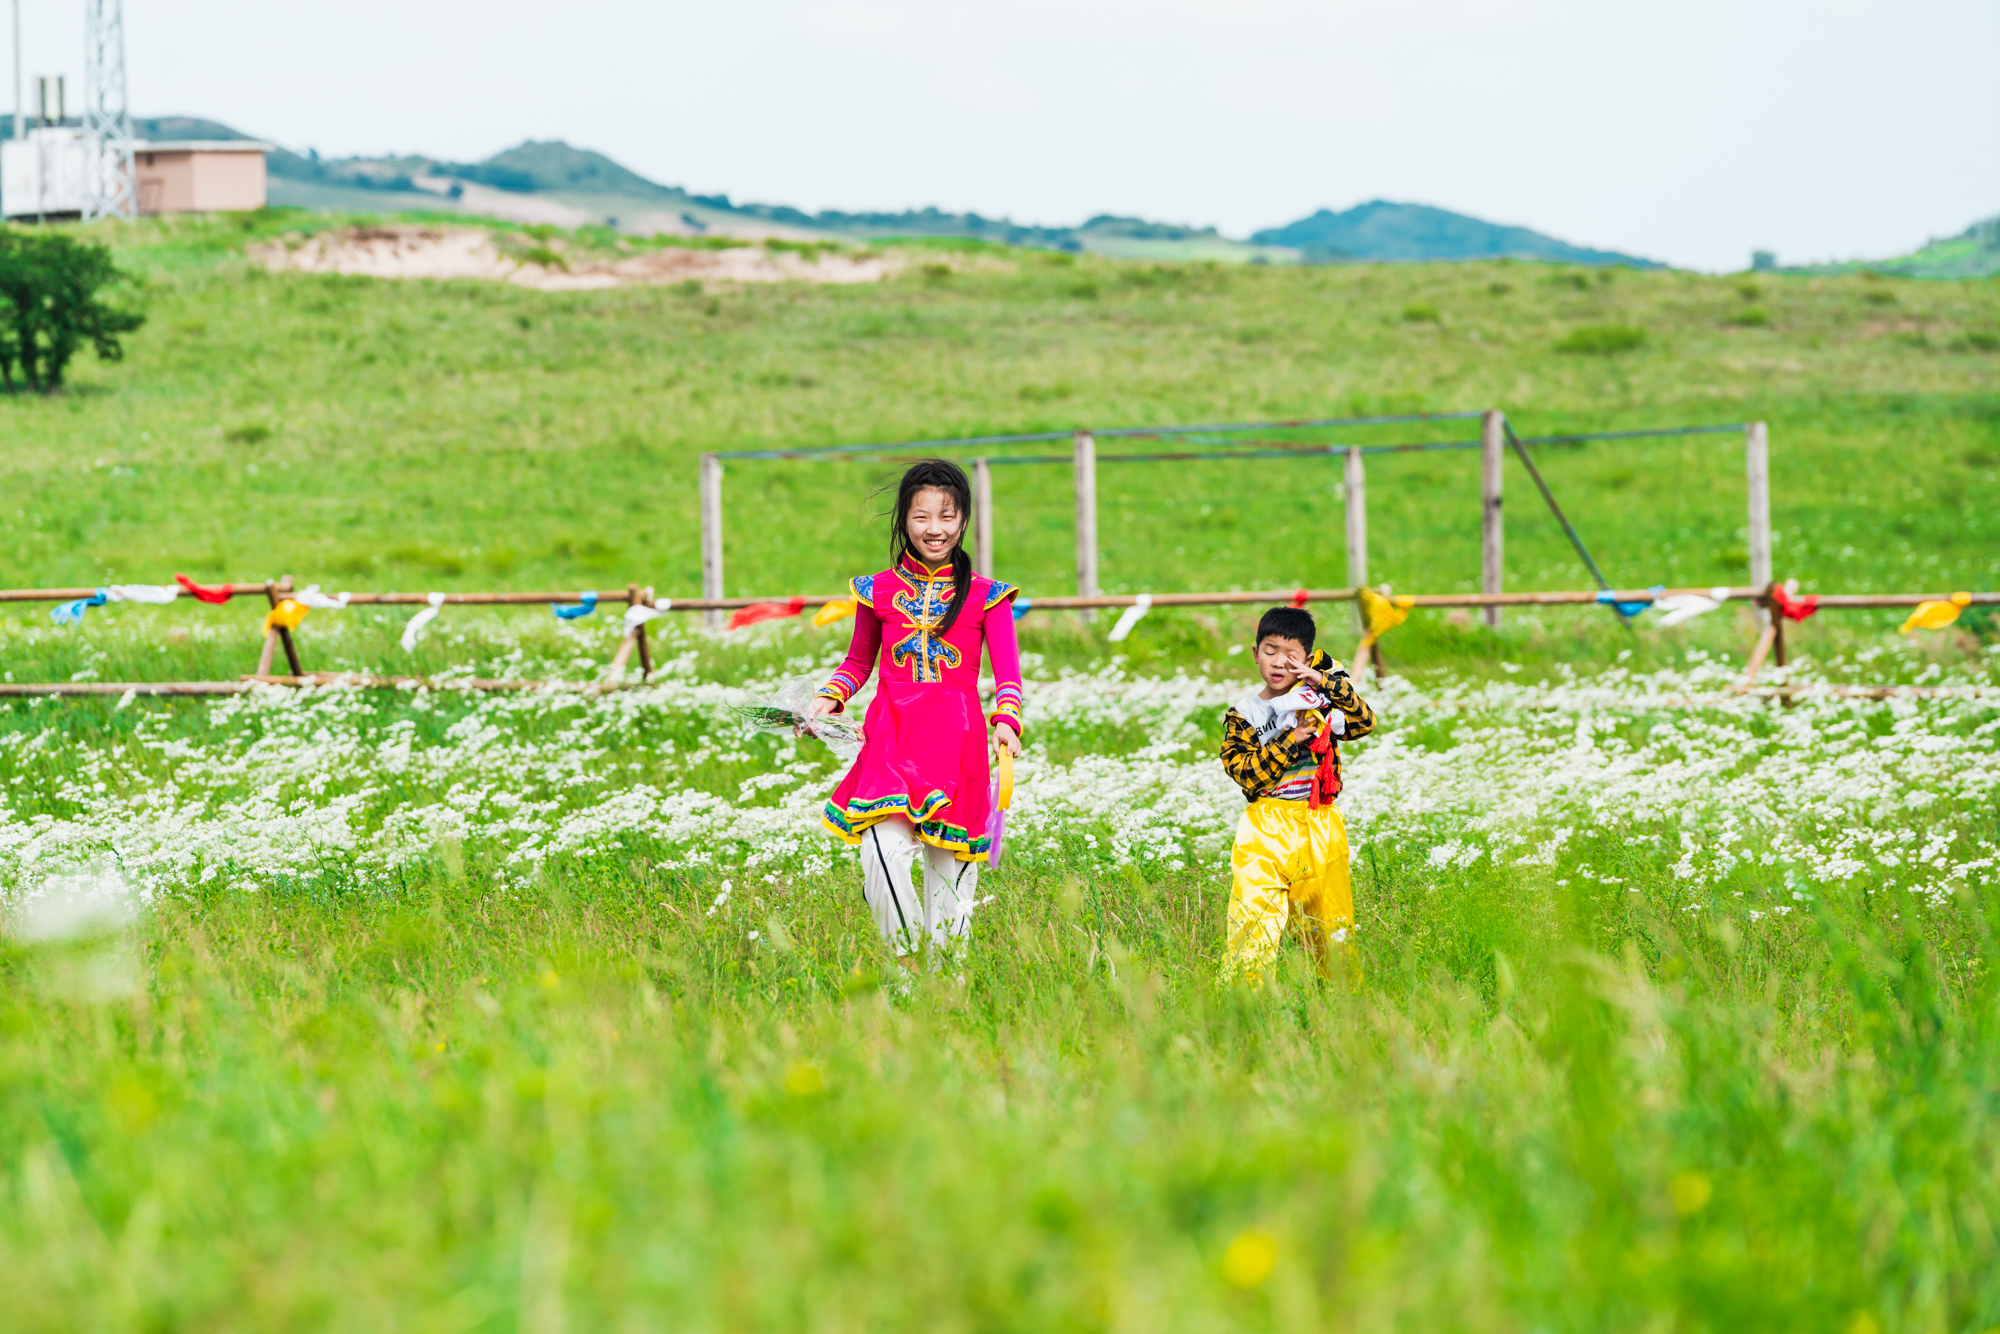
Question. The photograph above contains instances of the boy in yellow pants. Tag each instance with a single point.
(1281, 745)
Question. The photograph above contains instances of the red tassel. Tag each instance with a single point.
(1300, 598)
(1794, 609)
(765, 611)
(1326, 779)
(215, 596)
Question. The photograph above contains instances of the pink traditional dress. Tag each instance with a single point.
(923, 756)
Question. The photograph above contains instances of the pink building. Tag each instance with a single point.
(199, 175)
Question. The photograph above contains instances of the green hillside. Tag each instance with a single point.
(1383, 230)
(593, 183)
(1973, 253)
(555, 166)
(460, 434)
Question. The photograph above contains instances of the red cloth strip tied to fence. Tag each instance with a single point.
(217, 596)
(1794, 608)
(1300, 598)
(765, 611)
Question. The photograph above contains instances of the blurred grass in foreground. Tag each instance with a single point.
(446, 1108)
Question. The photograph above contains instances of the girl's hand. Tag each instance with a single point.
(819, 708)
(1007, 739)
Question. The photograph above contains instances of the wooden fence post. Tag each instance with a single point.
(1086, 515)
(1757, 465)
(276, 591)
(1492, 531)
(982, 517)
(284, 590)
(270, 632)
(711, 534)
(1357, 524)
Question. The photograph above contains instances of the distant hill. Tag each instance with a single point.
(184, 127)
(1102, 229)
(549, 180)
(1973, 253)
(596, 185)
(160, 127)
(555, 166)
(1381, 230)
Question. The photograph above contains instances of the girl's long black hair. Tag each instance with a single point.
(946, 476)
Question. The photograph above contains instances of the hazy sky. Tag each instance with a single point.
(1693, 130)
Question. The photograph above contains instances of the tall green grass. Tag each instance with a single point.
(593, 1106)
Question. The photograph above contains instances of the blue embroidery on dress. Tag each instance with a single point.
(863, 587)
(995, 591)
(925, 605)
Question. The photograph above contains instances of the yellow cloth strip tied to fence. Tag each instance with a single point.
(1379, 615)
(834, 611)
(287, 614)
(1937, 615)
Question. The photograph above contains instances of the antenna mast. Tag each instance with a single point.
(20, 117)
(111, 191)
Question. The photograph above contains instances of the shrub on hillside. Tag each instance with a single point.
(52, 290)
(1602, 340)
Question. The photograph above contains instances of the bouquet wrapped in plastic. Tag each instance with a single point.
(785, 710)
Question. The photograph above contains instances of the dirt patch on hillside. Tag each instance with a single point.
(470, 252)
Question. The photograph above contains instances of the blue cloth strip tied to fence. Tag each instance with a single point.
(71, 613)
(584, 605)
(1630, 609)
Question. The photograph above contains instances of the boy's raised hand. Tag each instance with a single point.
(1304, 670)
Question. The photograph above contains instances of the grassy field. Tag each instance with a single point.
(413, 1011)
(453, 435)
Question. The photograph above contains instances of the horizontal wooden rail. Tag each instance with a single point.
(489, 599)
(15, 689)
(353, 680)
(1851, 601)
(628, 597)
(1192, 599)
(71, 594)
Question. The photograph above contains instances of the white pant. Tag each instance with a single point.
(888, 847)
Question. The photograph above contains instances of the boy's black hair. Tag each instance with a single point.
(1293, 623)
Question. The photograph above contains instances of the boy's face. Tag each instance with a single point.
(1278, 661)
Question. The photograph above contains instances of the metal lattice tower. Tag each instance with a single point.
(112, 190)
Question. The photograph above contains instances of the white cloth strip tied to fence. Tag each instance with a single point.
(1140, 605)
(157, 594)
(640, 615)
(417, 623)
(312, 597)
(1685, 606)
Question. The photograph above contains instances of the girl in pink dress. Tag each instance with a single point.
(920, 784)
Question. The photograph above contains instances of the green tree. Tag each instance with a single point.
(52, 302)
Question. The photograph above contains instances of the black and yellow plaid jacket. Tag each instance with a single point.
(1257, 766)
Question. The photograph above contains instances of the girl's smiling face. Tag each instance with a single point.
(934, 525)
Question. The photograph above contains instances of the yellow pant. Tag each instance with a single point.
(1288, 860)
